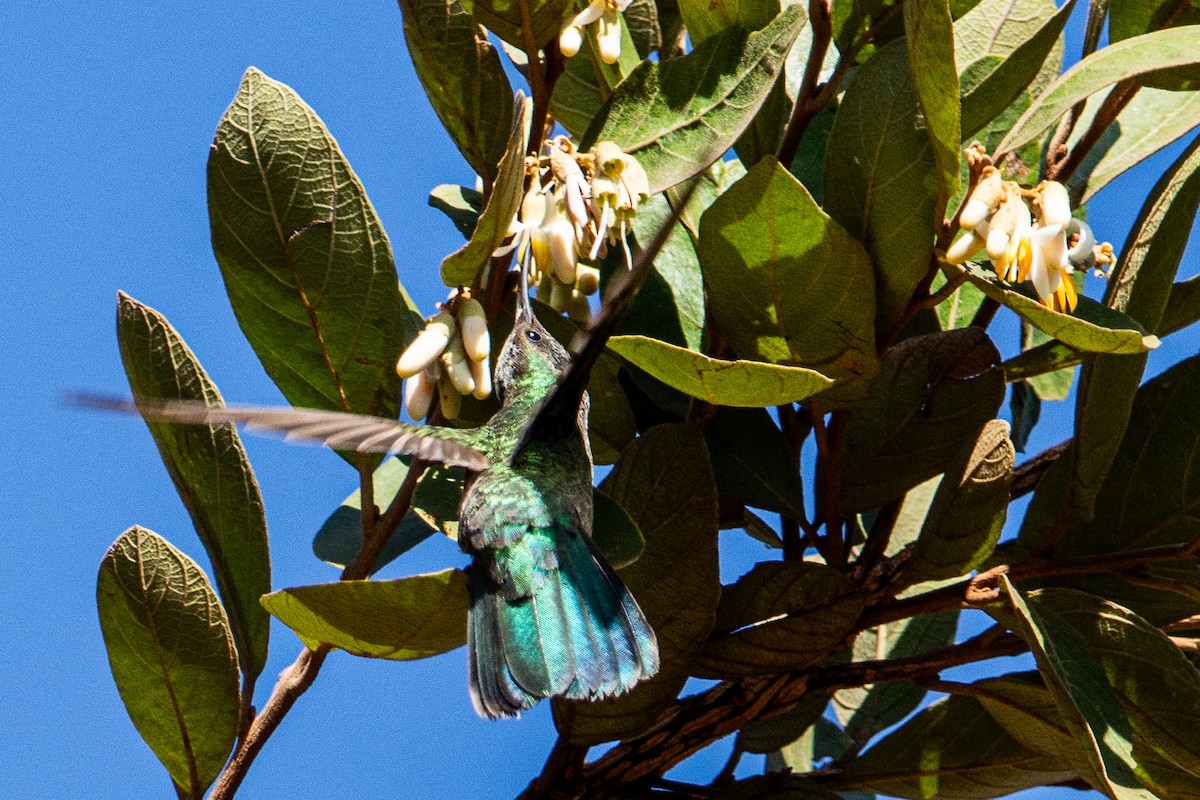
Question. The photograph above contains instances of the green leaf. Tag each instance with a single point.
(1152, 120)
(959, 309)
(968, 511)
(464, 267)
(861, 21)
(403, 620)
(210, 470)
(172, 655)
(1139, 286)
(746, 384)
(1007, 50)
(780, 615)
(952, 750)
(1050, 357)
(462, 205)
(1183, 306)
(340, 538)
(710, 95)
(306, 263)
(881, 178)
(787, 284)
(935, 391)
(751, 461)
(1026, 408)
(503, 18)
(774, 733)
(863, 710)
(670, 304)
(823, 740)
(663, 480)
(1080, 691)
(1128, 18)
(463, 78)
(929, 35)
(1093, 327)
(1021, 703)
(704, 18)
(615, 532)
(1050, 384)
(641, 17)
(1133, 57)
(1157, 686)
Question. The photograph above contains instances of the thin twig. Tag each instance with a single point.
(811, 98)
(1120, 96)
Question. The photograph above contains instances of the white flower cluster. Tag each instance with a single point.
(607, 16)
(450, 355)
(578, 204)
(1028, 235)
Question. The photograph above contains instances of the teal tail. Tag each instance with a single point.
(549, 617)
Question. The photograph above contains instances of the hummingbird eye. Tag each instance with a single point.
(533, 335)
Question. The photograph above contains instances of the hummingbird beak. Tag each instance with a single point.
(524, 308)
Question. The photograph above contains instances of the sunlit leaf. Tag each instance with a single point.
(504, 18)
(710, 95)
(306, 263)
(404, 619)
(211, 473)
(930, 39)
(460, 204)
(172, 655)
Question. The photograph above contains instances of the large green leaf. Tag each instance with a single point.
(968, 511)
(463, 78)
(340, 537)
(704, 18)
(1022, 704)
(952, 750)
(774, 733)
(1092, 328)
(752, 462)
(929, 35)
(935, 391)
(881, 177)
(866, 710)
(678, 116)
(1080, 690)
(670, 304)
(404, 619)
(1183, 306)
(780, 615)
(664, 481)
(504, 18)
(462, 205)
(1128, 18)
(1152, 120)
(210, 469)
(787, 284)
(1140, 286)
(1157, 686)
(856, 22)
(172, 655)
(823, 739)
(1002, 50)
(464, 267)
(306, 263)
(1139, 55)
(748, 384)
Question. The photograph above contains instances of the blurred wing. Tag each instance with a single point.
(335, 429)
(558, 414)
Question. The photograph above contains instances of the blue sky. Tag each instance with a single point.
(108, 112)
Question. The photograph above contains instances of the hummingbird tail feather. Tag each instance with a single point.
(578, 633)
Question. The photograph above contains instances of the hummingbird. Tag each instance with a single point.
(548, 614)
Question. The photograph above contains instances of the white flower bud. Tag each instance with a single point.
(481, 372)
(429, 344)
(561, 235)
(458, 367)
(418, 395)
(587, 279)
(608, 37)
(966, 246)
(570, 40)
(1055, 204)
(997, 243)
(984, 199)
(449, 399)
(472, 321)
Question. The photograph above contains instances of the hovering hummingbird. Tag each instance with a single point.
(548, 616)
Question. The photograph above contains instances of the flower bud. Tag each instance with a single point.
(429, 344)
(967, 245)
(458, 367)
(570, 40)
(984, 199)
(578, 308)
(608, 37)
(1055, 203)
(449, 399)
(481, 373)
(472, 321)
(418, 395)
(587, 279)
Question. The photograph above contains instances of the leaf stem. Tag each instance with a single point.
(811, 97)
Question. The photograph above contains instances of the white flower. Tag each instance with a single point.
(608, 34)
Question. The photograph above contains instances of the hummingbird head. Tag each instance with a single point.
(531, 359)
